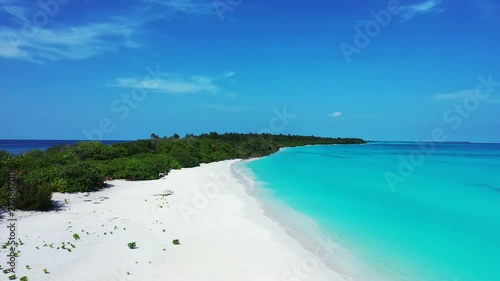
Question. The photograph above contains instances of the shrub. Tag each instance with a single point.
(32, 160)
(6, 166)
(59, 185)
(136, 147)
(31, 197)
(40, 175)
(132, 245)
(96, 151)
(176, 242)
(74, 177)
(138, 167)
(76, 236)
(81, 177)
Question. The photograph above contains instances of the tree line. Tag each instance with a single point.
(84, 166)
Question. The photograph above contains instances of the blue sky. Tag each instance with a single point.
(376, 69)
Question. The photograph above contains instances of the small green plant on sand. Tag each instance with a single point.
(176, 242)
(24, 278)
(12, 277)
(45, 271)
(76, 236)
(132, 245)
(28, 267)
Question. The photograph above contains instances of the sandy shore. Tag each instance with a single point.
(223, 232)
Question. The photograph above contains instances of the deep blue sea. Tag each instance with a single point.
(21, 146)
(406, 212)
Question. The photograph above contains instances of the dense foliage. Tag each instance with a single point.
(84, 166)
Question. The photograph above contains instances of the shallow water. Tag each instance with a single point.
(408, 214)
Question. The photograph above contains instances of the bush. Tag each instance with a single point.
(136, 147)
(59, 185)
(31, 197)
(96, 151)
(132, 245)
(6, 166)
(40, 175)
(75, 177)
(184, 157)
(138, 167)
(80, 177)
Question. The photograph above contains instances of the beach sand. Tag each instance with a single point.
(223, 231)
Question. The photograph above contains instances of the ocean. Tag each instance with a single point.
(22, 146)
(406, 212)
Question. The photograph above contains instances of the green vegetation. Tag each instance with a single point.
(176, 242)
(132, 245)
(24, 278)
(83, 167)
(76, 236)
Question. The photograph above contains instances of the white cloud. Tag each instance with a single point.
(24, 40)
(170, 83)
(460, 95)
(424, 7)
(231, 95)
(13, 8)
(454, 95)
(336, 114)
(184, 6)
(228, 74)
(227, 108)
(55, 40)
(74, 43)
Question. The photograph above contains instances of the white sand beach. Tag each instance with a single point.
(223, 232)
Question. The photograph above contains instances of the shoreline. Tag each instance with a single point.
(223, 231)
(325, 247)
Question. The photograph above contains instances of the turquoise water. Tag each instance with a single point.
(437, 222)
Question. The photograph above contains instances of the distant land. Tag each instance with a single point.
(69, 166)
